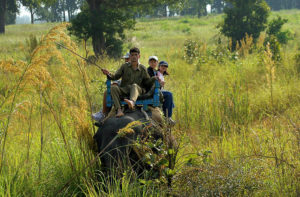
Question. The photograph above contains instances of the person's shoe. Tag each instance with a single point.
(119, 113)
(99, 116)
(171, 122)
(130, 103)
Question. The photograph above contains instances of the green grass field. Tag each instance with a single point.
(237, 113)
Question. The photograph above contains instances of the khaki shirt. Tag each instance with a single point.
(130, 76)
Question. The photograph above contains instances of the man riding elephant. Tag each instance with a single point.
(134, 77)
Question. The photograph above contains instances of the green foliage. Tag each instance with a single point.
(244, 17)
(107, 21)
(108, 25)
(197, 7)
(218, 6)
(10, 17)
(274, 47)
(34, 5)
(31, 43)
(276, 37)
(191, 50)
(274, 29)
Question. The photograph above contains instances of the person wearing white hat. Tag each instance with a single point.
(153, 62)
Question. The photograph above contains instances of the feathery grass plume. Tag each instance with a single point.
(245, 46)
(270, 68)
(129, 128)
(21, 109)
(85, 82)
(260, 41)
(11, 66)
(81, 123)
(270, 65)
(230, 44)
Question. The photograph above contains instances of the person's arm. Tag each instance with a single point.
(150, 71)
(148, 81)
(117, 75)
(161, 79)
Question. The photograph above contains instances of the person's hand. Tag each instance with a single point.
(106, 72)
(156, 78)
(162, 83)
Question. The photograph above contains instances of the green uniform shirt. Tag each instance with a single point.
(130, 76)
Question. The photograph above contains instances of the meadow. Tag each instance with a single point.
(237, 113)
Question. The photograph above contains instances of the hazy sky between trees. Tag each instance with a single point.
(25, 13)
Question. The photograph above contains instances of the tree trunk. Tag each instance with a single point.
(31, 15)
(98, 42)
(2, 16)
(199, 12)
(98, 39)
(165, 11)
(205, 10)
(64, 11)
(69, 14)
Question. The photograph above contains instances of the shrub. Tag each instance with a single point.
(244, 17)
(274, 29)
(275, 48)
(191, 50)
(276, 37)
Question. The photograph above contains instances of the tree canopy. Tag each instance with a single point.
(245, 17)
(8, 10)
(105, 21)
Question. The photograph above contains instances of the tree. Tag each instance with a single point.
(105, 21)
(50, 12)
(31, 5)
(218, 6)
(34, 5)
(283, 4)
(244, 17)
(10, 17)
(5, 7)
(72, 6)
(196, 7)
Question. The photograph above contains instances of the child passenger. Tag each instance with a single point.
(168, 103)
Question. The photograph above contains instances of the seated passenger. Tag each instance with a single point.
(168, 103)
(105, 110)
(133, 75)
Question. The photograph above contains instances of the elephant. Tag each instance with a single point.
(116, 151)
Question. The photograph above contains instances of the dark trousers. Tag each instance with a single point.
(168, 104)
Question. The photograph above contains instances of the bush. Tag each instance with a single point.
(274, 29)
(244, 17)
(191, 50)
(276, 37)
(275, 48)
